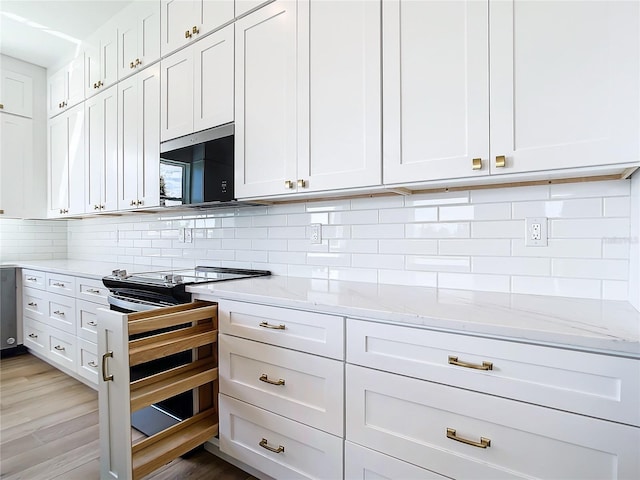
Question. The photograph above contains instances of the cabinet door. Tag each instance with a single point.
(128, 142)
(16, 149)
(101, 175)
(138, 37)
(101, 60)
(243, 6)
(435, 89)
(75, 82)
(75, 167)
(176, 95)
(16, 93)
(564, 84)
(178, 18)
(56, 92)
(58, 165)
(148, 173)
(339, 94)
(265, 100)
(213, 14)
(213, 89)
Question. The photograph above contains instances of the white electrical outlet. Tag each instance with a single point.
(315, 234)
(535, 234)
(188, 235)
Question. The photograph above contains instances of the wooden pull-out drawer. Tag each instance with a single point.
(300, 386)
(87, 320)
(34, 304)
(61, 284)
(91, 290)
(310, 332)
(61, 313)
(465, 434)
(593, 384)
(275, 445)
(33, 279)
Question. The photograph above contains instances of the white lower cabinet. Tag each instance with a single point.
(275, 445)
(362, 463)
(88, 360)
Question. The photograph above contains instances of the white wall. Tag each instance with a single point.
(464, 240)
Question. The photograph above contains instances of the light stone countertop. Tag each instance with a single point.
(611, 327)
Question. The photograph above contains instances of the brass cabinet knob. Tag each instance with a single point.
(1, 106)
(139, 202)
(131, 65)
(187, 34)
(195, 30)
(477, 164)
(288, 184)
(302, 184)
(501, 161)
(138, 62)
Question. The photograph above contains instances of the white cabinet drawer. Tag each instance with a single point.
(362, 463)
(88, 360)
(87, 320)
(61, 348)
(306, 388)
(34, 304)
(61, 313)
(62, 284)
(597, 385)
(91, 290)
(35, 336)
(251, 435)
(315, 333)
(33, 279)
(408, 419)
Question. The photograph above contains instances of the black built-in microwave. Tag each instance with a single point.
(198, 168)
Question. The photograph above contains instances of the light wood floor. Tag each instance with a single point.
(49, 430)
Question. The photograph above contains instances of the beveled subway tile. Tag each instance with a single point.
(378, 231)
(534, 266)
(498, 229)
(578, 208)
(472, 281)
(441, 263)
(563, 287)
(409, 215)
(603, 269)
(609, 188)
(437, 230)
(366, 260)
(475, 247)
(409, 246)
(490, 211)
(419, 279)
(429, 199)
(354, 246)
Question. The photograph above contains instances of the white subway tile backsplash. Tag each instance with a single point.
(616, 249)
(428, 199)
(561, 248)
(381, 203)
(511, 265)
(438, 263)
(590, 228)
(491, 211)
(358, 217)
(269, 220)
(409, 246)
(398, 277)
(290, 258)
(287, 232)
(438, 230)
(365, 260)
(376, 231)
(609, 188)
(354, 274)
(617, 207)
(329, 259)
(615, 290)
(409, 215)
(475, 247)
(581, 208)
(307, 218)
(498, 229)
(590, 268)
(559, 287)
(512, 194)
(473, 281)
(354, 246)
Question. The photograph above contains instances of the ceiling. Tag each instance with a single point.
(46, 32)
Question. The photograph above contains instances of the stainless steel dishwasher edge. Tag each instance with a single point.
(9, 341)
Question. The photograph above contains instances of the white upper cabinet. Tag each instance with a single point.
(66, 163)
(436, 89)
(563, 90)
(139, 140)
(183, 21)
(197, 86)
(244, 6)
(138, 37)
(16, 151)
(101, 59)
(65, 87)
(307, 97)
(16, 93)
(564, 84)
(265, 100)
(101, 172)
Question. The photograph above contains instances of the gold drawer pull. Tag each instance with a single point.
(264, 444)
(106, 377)
(92, 364)
(33, 335)
(476, 164)
(32, 304)
(58, 312)
(302, 183)
(501, 161)
(93, 290)
(485, 365)
(92, 324)
(264, 378)
(59, 348)
(275, 327)
(484, 442)
(288, 184)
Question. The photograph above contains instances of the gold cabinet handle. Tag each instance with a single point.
(265, 444)
(485, 365)
(195, 30)
(1, 106)
(477, 164)
(275, 327)
(187, 34)
(93, 290)
(484, 442)
(501, 161)
(105, 377)
(32, 304)
(264, 378)
(92, 324)
(59, 313)
(59, 348)
(33, 335)
(92, 364)
(302, 184)
(288, 184)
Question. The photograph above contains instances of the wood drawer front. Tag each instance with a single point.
(408, 419)
(366, 464)
(88, 360)
(308, 452)
(61, 313)
(87, 320)
(61, 348)
(33, 279)
(597, 385)
(310, 332)
(61, 284)
(313, 387)
(34, 304)
(35, 335)
(91, 290)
